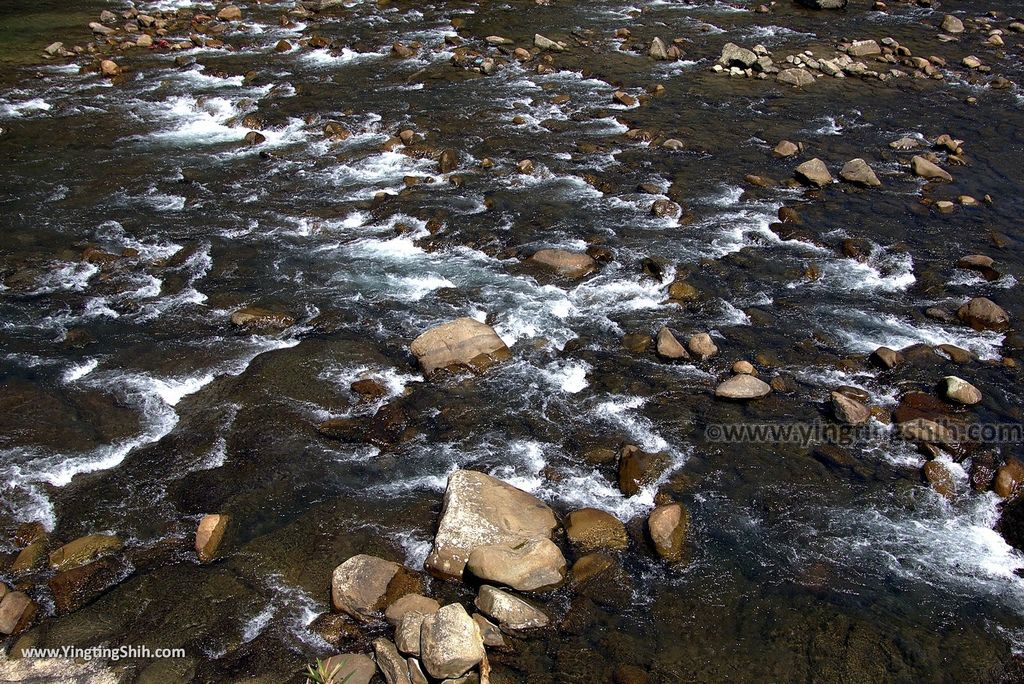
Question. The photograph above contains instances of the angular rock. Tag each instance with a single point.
(392, 665)
(573, 265)
(983, 314)
(742, 388)
(462, 343)
(479, 510)
(702, 346)
(960, 391)
(796, 77)
(31, 558)
(928, 170)
(785, 148)
(658, 49)
(887, 358)
(364, 585)
(84, 550)
(489, 631)
(450, 643)
(17, 611)
(813, 172)
(734, 55)
(209, 535)
(940, 479)
(256, 318)
(74, 588)
(590, 529)
(858, 172)
(511, 612)
(407, 633)
(668, 347)
(667, 526)
(850, 411)
(527, 566)
(864, 48)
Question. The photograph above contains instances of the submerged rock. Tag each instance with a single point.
(824, 4)
(462, 343)
(84, 550)
(590, 529)
(638, 469)
(254, 317)
(481, 510)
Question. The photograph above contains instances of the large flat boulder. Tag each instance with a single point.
(481, 510)
(529, 566)
(462, 343)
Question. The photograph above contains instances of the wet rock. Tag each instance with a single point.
(590, 529)
(941, 480)
(864, 48)
(209, 535)
(391, 664)
(623, 98)
(572, 265)
(74, 588)
(664, 208)
(734, 55)
(796, 77)
(84, 550)
(450, 643)
(17, 611)
(368, 389)
(824, 4)
(364, 585)
(785, 148)
(462, 343)
(479, 510)
(448, 161)
(951, 24)
(858, 172)
(337, 629)
(547, 44)
(960, 391)
(528, 566)
(742, 388)
(30, 558)
(658, 49)
(489, 631)
(101, 30)
(928, 170)
(682, 291)
(256, 318)
(981, 264)
(813, 172)
(403, 51)
(638, 469)
(667, 526)
(109, 68)
(702, 346)
(525, 166)
(1009, 479)
(886, 358)
(956, 354)
(511, 612)
(668, 347)
(410, 603)
(230, 13)
(637, 343)
(254, 138)
(849, 411)
(983, 314)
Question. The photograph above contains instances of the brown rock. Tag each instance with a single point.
(850, 411)
(928, 170)
(858, 172)
(668, 347)
(984, 314)
(364, 585)
(74, 588)
(529, 566)
(16, 612)
(256, 318)
(940, 479)
(667, 526)
(813, 172)
(702, 346)
(462, 343)
(410, 603)
(84, 550)
(743, 388)
(885, 357)
(638, 469)
(572, 265)
(590, 529)
(1009, 479)
(209, 535)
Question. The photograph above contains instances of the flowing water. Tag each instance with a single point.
(161, 411)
